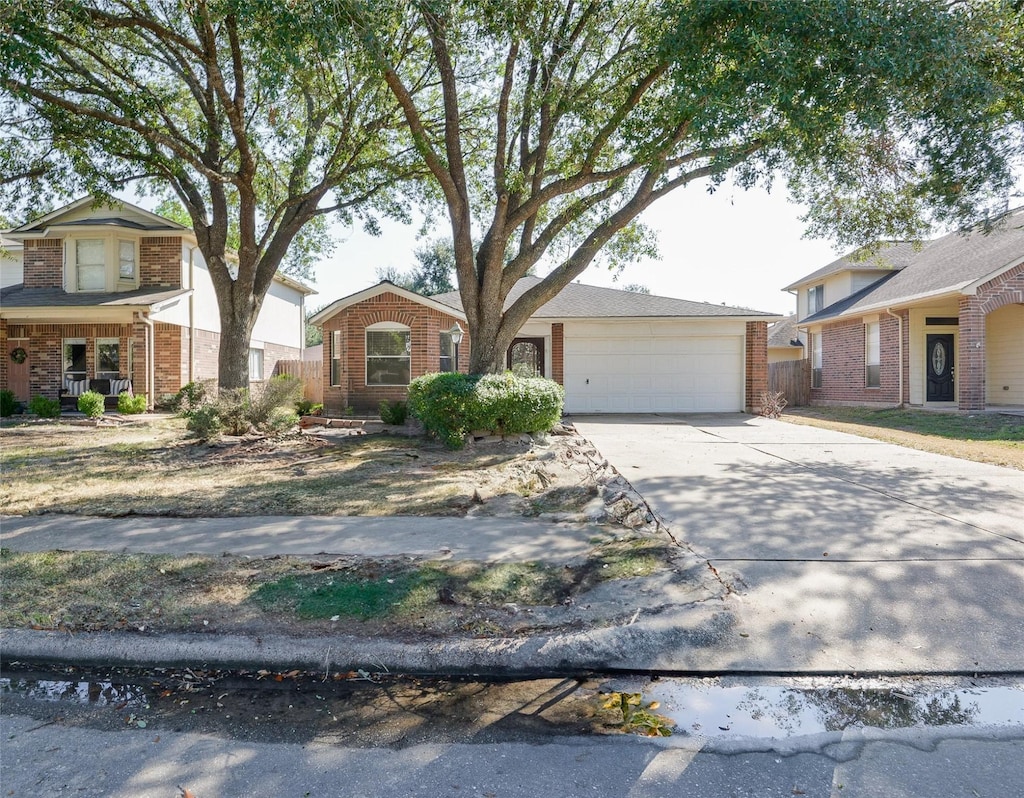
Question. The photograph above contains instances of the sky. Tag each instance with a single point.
(733, 247)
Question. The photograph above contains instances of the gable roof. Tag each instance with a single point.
(145, 221)
(579, 301)
(384, 287)
(948, 265)
(889, 256)
(784, 334)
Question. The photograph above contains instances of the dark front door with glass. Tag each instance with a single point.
(526, 357)
(939, 368)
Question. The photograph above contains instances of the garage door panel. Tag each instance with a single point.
(684, 373)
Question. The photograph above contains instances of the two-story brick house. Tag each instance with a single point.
(936, 325)
(118, 298)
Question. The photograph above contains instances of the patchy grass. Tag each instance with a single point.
(985, 437)
(92, 591)
(154, 468)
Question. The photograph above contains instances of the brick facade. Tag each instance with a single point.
(1007, 288)
(756, 365)
(43, 262)
(425, 325)
(558, 353)
(843, 365)
(160, 262)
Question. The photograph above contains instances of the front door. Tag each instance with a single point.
(939, 368)
(526, 357)
(18, 370)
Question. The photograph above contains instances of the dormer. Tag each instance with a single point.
(89, 248)
(848, 275)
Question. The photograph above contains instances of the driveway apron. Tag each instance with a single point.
(845, 554)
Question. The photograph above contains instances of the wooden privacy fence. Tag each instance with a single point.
(311, 372)
(791, 378)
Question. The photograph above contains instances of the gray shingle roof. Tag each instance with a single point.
(890, 256)
(945, 265)
(781, 334)
(578, 301)
(17, 296)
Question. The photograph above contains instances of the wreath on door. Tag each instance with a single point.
(19, 355)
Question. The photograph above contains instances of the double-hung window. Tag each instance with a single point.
(388, 349)
(76, 375)
(255, 365)
(90, 264)
(335, 354)
(447, 362)
(127, 269)
(872, 355)
(815, 299)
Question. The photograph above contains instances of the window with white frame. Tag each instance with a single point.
(816, 360)
(335, 357)
(388, 349)
(126, 261)
(108, 358)
(447, 362)
(815, 299)
(872, 355)
(90, 264)
(255, 365)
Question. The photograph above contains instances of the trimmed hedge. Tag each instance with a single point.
(91, 403)
(449, 404)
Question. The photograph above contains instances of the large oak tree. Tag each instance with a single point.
(549, 126)
(255, 118)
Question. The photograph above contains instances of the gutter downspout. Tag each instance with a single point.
(899, 321)
(150, 354)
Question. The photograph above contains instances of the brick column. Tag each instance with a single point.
(970, 363)
(558, 353)
(756, 364)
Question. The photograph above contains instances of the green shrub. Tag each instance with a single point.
(43, 407)
(281, 419)
(8, 404)
(510, 405)
(91, 403)
(307, 407)
(450, 404)
(131, 405)
(204, 422)
(442, 403)
(189, 398)
(393, 412)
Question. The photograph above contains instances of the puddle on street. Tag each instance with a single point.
(739, 708)
(374, 710)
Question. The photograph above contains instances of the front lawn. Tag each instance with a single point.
(984, 437)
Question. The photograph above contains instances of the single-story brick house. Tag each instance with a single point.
(113, 297)
(613, 351)
(937, 325)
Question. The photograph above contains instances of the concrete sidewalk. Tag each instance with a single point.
(489, 539)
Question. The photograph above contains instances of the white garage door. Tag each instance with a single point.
(654, 374)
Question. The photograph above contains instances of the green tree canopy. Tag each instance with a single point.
(548, 127)
(433, 272)
(259, 119)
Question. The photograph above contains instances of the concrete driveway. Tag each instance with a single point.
(846, 554)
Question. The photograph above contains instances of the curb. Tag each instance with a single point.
(635, 648)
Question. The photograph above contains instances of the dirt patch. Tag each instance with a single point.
(152, 467)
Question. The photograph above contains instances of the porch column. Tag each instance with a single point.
(970, 363)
